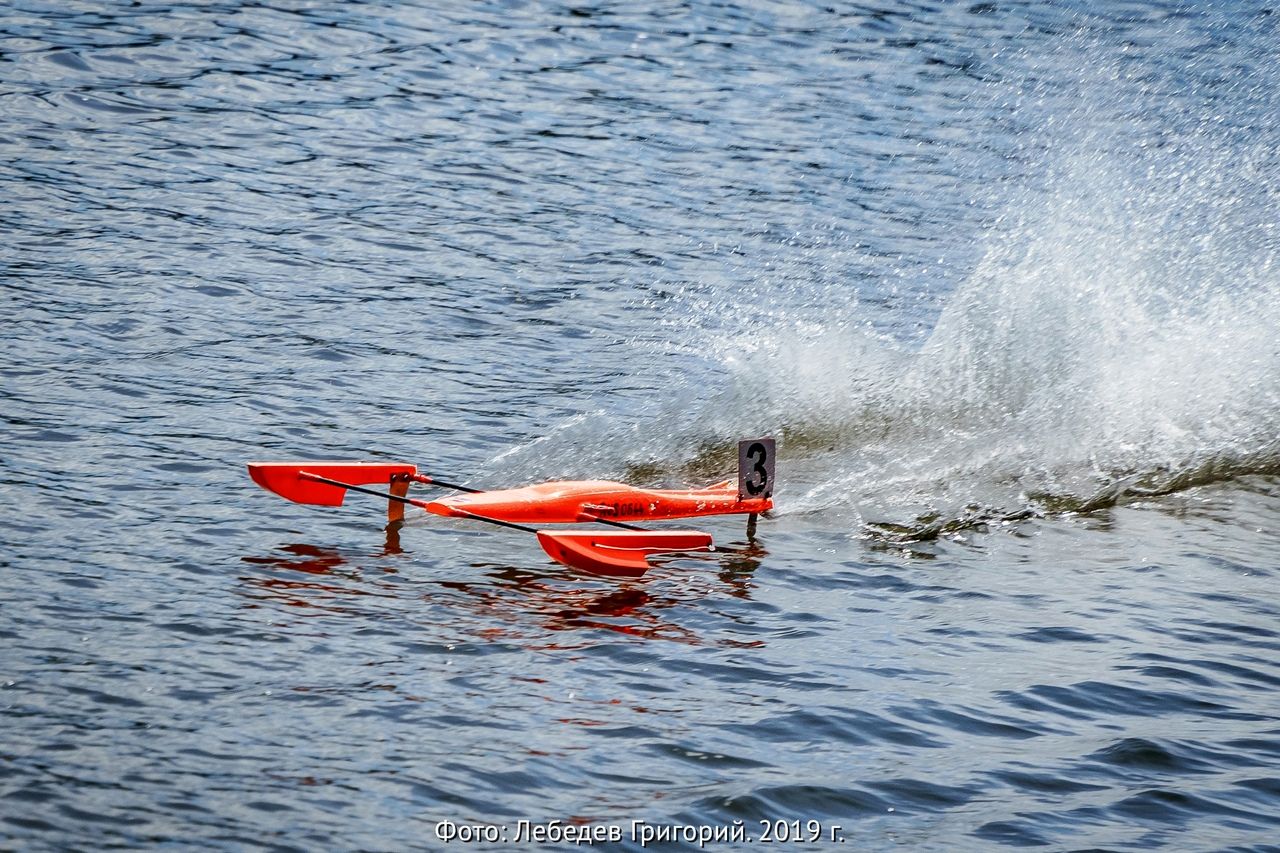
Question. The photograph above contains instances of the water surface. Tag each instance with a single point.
(1002, 278)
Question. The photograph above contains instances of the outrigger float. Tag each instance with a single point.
(622, 552)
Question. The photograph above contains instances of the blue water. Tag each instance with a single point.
(1003, 278)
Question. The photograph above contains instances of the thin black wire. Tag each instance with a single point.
(467, 513)
(410, 501)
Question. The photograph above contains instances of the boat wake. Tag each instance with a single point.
(1118, 340)
(1111, 347)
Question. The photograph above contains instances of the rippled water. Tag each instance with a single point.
(1001, 276)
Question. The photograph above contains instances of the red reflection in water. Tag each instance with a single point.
(311, 560)
(561, 607)
(505, 599)
(306, 558)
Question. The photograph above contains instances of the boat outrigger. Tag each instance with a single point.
(622, 552)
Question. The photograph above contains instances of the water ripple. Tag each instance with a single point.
(1001, 275)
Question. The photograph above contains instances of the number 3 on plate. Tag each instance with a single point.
(755, 467)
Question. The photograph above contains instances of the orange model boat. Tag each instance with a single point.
(587, 500)
(569, 502)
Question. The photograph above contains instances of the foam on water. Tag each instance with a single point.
(1121, 337)
(1117, 337)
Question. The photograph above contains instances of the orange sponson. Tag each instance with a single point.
(584, 500)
